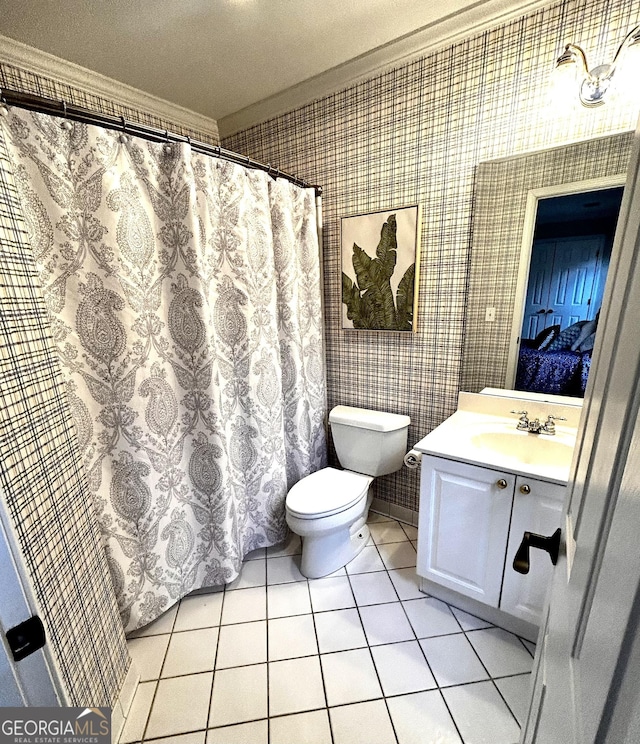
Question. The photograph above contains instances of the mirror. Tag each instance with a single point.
(566, 246)
(506, 196)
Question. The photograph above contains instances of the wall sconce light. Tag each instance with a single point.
(594, 84)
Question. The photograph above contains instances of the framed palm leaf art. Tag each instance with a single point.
(380, 268)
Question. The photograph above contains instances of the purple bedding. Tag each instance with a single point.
(557, 372)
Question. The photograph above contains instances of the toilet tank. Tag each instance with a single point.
(369, 442)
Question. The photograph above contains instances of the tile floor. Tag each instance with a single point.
(360, 657)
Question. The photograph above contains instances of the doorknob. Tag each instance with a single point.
(549, 311)
(541, 312)
(530, 540)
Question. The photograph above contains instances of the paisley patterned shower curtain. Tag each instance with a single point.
(184, 297)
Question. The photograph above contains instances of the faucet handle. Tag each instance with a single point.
(523, 421)
(555, 418)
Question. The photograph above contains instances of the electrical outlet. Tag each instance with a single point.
(490, 314)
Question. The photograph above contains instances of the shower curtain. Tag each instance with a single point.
(184, 299)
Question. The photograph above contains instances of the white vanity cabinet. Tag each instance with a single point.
(472, 519)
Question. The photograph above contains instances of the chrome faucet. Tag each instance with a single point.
(535, 427)
(549, 426)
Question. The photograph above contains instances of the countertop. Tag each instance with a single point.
(480, 433)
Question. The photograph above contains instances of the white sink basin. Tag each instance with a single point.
(533, 449)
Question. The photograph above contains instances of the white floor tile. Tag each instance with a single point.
(138, 713)
(386, 623)
(180, 705)
(373, 588)
(387, 532)
(410, 531)
(301, 728)
(255, 732)
(402, 668)
(291, 546)
(198, 737)
(331, 594)
(364, 723)
(430, 617)
(148, 654)
(254, 573)
(285, 600)
(201, 611)
(381, 513)
(256, 554)
(244, 606)
(162, 624)
(481, 714)
(242, 644)
(295, 686)
(398, 555)
(367, 560)
(423, 718)
(469, 622)
(239, 695)
(190, 652)
(284, 570)
(453, 660)
(501, 652)
(517, 692)
(350, 677)
(406, 583)
(530, 646)
(339, 630)
(291, 637)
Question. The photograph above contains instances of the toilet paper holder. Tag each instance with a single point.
(412, 459)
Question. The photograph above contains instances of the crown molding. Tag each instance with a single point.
(479, 17)
(68, 73)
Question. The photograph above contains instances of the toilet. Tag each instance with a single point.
(329, 508)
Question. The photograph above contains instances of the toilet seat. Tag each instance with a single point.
(326, 492)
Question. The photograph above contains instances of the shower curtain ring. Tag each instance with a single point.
(123, 136)
(66, 125)
(4, 107)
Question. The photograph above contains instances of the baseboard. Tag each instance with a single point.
(395, 511)
(123, 704)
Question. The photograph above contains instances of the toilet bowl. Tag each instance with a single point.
(329, 508)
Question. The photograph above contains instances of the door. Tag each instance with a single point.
(563, 277)
(540, 275)
(585, 678)
(34, 679)
(537, 507)
(464, 522)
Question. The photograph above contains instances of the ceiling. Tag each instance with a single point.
(242, 60)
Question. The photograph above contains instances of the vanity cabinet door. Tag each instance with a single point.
(537, 507)
(463, 528)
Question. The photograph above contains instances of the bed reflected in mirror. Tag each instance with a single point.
(570, 252)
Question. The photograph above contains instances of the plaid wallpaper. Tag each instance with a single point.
(25, 81)
(416, 134)
(43, 482)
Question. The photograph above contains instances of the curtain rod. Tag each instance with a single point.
(75, 113)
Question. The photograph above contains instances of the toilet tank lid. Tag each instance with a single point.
(363, 418)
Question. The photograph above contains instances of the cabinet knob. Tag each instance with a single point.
(502, 483)
(524, 488)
